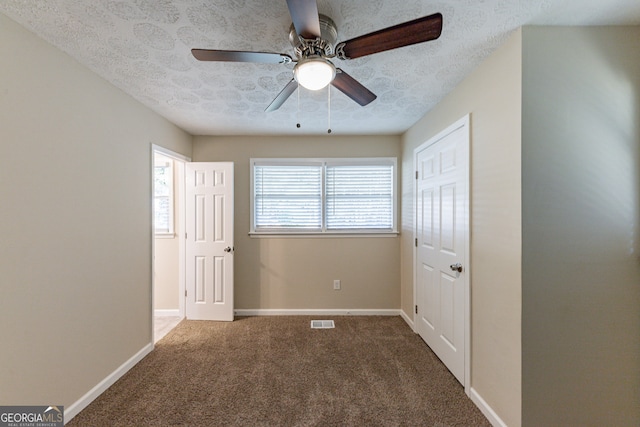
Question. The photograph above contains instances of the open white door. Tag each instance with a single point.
(442, 221)
(209, 249)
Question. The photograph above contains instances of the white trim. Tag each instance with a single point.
(166, 313)
(314, 312)
(320, 235)
(408, 319)
(486, 410)
(181, 231)
(103, 385)
(466, 122)
(170, 153)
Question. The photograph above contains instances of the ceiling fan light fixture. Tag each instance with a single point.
(314, 73)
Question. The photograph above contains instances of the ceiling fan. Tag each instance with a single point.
(314, 37)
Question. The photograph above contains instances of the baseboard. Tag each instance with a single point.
(313, 312)
(408, 319)
(484, 407)
(167, 313)
(92, 394)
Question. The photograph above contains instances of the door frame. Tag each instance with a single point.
(463, 122)
(180, 227)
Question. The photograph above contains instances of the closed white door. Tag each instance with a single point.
(441, 230)
(209, 249)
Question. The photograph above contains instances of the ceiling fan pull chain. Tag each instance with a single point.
(298, 112)
(329, 109)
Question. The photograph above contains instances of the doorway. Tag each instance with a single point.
(168, 248)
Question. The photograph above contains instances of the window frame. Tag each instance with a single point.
(324, 162)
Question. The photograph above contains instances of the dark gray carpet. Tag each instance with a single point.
(276, 371)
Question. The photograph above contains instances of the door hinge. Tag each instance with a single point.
(416, 309)
(416, 242)
(185, 292)
(416, 174)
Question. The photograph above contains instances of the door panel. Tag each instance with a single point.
(447, 218)
(209, 251)
(441, 221)
(426, 220)
(430, 312)
(447, 304)
(219, 276)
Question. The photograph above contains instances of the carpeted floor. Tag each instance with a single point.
(276, 371)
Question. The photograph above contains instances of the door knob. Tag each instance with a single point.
(228, 249)
(456, 267)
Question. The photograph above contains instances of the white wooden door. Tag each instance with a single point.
(209, 249)
(441, 245)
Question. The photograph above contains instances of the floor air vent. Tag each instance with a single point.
(322, 324)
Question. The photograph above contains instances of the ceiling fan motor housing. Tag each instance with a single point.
(322, 46)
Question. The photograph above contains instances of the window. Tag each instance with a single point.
(323, 196)
(163, 195)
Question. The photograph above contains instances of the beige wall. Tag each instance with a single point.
(492, 95)
(581, 226)
(166, 280)
(166, 264)
(298, 273)
(75, 210)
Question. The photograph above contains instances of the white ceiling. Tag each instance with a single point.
(143, 47)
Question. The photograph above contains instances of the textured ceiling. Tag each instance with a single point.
(143, 47)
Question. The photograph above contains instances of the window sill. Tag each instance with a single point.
(325, 235)
(164, 235)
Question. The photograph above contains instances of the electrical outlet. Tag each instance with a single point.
(336, 285)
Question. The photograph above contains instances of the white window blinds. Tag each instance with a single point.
(323, 195)
(359, 197)
(288, 197)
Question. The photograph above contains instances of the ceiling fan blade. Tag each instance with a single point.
(282, 96)
(417, 31)
(304, 14)
(352, 88)
(240, 56)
